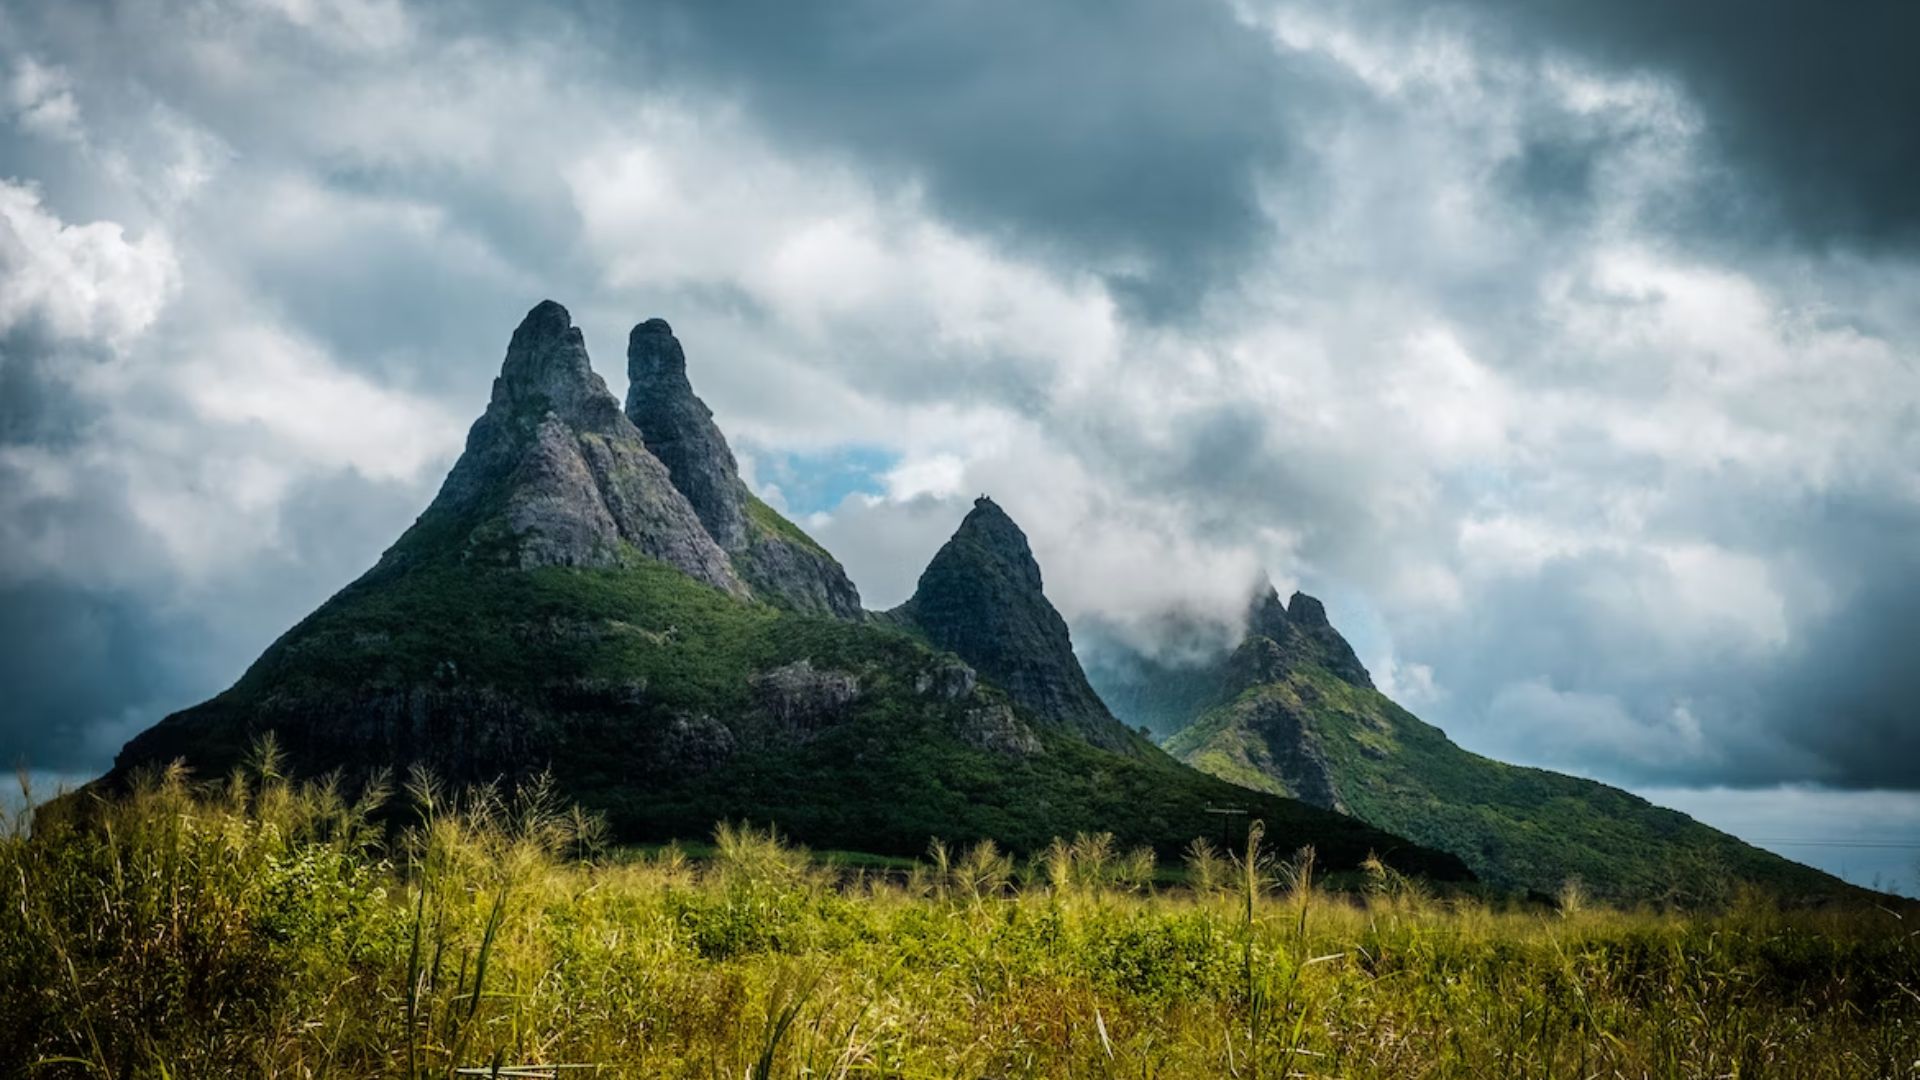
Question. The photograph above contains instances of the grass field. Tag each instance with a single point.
(265, 928)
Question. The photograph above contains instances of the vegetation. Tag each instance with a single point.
(769, 522)
(1518, 828)
(263, 927)
(590, 673)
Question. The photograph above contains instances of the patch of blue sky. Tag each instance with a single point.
(816, 481)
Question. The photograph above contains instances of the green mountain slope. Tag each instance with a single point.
(1290, 712)
(562, 606)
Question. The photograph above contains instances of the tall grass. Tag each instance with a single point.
(267, 927)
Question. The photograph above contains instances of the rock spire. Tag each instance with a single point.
(781, 563)
(554, 474)
(981, 598)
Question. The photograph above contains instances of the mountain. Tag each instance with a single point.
(981, 598)
(1292, 711)
(594, 592)
(783, 564)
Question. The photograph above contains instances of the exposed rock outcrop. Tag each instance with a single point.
(697, 743)
(801, 698)
(554, 474)
(1289, 751)
(995, 728)
(783, 565)
(679, 429)
(947, 677)
(1281, 637)
(981, 598)
(787, 568)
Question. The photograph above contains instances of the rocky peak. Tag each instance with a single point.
(655, 358)
(555, 475)
(1266, 615)
(1001, 542)
(547, 369)
(1309, 619)
(679, 429)
(771, 554)
(1307, 611)
(981, 599)
(1280, 637)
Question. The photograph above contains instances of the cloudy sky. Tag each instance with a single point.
(1571, 352)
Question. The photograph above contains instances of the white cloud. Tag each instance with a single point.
(85, 281)
(690, 200)
(42, 102)
(1411, 685)
(351, 24)
(1539, 724)
(940, 476)
(300, 403)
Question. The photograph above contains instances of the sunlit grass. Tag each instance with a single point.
(264, 927)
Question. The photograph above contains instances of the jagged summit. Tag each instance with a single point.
(990, 529)
(783, 565)
(1280, 637)
(679, 429)
(981, 597)
(1266, 615)
(1306, 610)
(547, 365)
(554, 474)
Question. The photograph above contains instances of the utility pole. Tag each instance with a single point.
(1227, 814)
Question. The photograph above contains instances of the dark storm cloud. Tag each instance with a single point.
(1850, 693)
(1852, 697)
(1812, 105)
(76, 662)
(34, 408)
(1553, 174)
(1126, 136)
(87, 666)
(1590, 664)
(395, 194)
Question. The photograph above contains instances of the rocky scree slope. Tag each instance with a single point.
(563, 604)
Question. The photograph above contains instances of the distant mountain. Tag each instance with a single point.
(595, 592)
(1291, 711)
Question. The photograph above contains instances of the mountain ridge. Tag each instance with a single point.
(562, 605)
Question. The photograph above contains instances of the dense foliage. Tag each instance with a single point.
(590, 671)
(263, 928)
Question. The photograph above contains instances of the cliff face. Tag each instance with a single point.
(554, 475)
(981, 598)
(781, 563)
(679, 429)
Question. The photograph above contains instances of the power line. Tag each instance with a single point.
(1836, 843)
